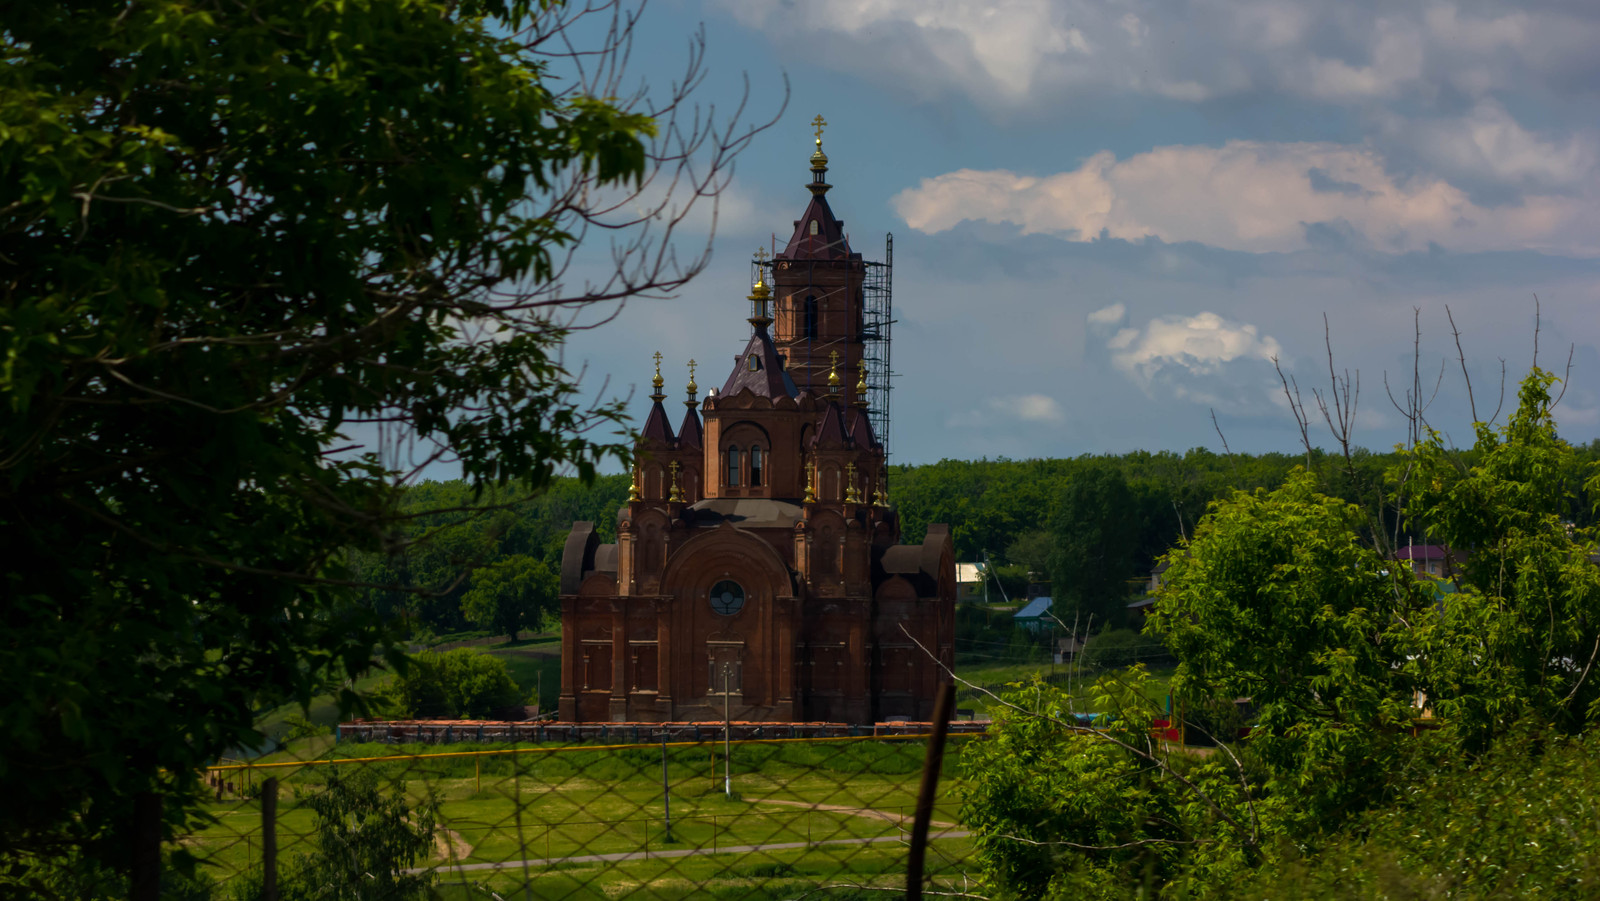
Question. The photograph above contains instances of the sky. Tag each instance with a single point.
(1111, 217)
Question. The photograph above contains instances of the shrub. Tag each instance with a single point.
(459, 683)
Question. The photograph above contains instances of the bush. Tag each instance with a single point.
(1120, 648)
(461, 683)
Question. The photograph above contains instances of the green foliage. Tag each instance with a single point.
(1118, 648)
(1280, 599)
(364, 838)
(461, 683)
(1095, 551)
(510, 595)
(235, 235)
(1344, 787)
(1063, 811)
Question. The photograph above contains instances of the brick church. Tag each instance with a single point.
(758, 564)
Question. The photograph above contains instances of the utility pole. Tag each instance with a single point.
(666, 788)
(727, 734)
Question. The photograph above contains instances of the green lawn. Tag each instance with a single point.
(581, 801)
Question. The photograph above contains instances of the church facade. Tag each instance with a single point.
(758, 570)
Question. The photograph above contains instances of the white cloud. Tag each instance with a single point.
(1108, 315)
(1201, 344)
(1029, 407)
(1489, 145)
(1251, 196)
(1012, 51)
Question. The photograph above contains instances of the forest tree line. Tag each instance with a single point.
(1093, 526)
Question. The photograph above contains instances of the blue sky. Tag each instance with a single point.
(1110, 215)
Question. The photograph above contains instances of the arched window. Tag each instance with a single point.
(733, 465)
(811, 318)
(813, 228)
(756, 461)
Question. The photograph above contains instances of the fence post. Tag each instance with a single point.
(146, 847)
(269, 839)
(931, 765)
(477, 772)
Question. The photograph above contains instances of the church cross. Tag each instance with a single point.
(761, 255)
(819, 122)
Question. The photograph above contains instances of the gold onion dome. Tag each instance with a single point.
(861, 383)
(657, 381)
(692, 387)
(833, 373)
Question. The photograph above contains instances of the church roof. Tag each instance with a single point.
(828, 243)
(748, 511)
(861, 427)
(656, 427)
(690, 433)
(768, 378)
(831, 432)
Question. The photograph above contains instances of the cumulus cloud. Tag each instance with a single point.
(1490, 147)
(1204, 358)
(1012, 51)
(1108, 315)
(1027, 408)
(1251, 196)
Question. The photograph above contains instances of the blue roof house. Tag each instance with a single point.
(1035, 617)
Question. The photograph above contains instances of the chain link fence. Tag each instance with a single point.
(644, 813)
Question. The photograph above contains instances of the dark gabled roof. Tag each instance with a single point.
(831, 431)
(1422, 552)
(656, 427)
(860, 425)
(690, 433)
(768, 379)
(827, 244)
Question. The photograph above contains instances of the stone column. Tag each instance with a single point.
(664, 657)
(567, 705)
(619, 662)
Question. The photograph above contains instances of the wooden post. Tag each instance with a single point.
(269, 839)
(146, 847)
(931, 765)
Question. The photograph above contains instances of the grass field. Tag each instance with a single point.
(847, 804)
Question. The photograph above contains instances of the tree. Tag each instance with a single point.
(463, 682)
(1365, 678)
(510, 595)
(262, 262)
(1096, 534)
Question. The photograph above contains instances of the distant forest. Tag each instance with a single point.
(1093, 526)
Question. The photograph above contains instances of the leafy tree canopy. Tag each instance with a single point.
(261, 260)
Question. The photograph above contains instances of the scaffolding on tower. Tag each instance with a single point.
(877, 318)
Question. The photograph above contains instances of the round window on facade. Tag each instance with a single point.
(727, 597)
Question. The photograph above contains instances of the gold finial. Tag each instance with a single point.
(657, 381)
(833, 373)
(883, 491)
(861, 384)
(819, 163)
(633, 487)
(693, 388)
(676, 496)
(811, 481)
(851, 495)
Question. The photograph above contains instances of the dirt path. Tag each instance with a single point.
(449, 845)
(898, 819)
(686, 852)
